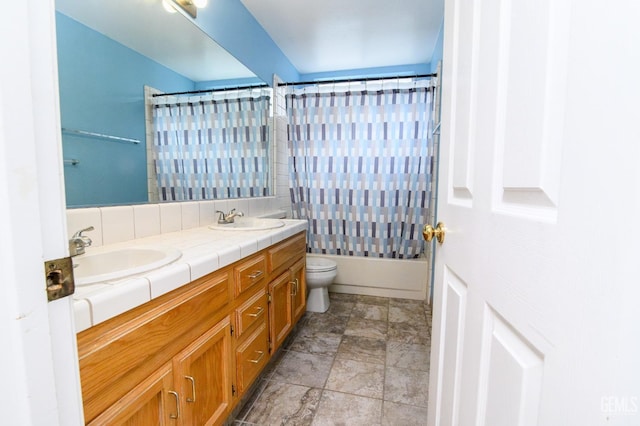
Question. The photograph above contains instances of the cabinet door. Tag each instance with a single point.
(280, 319)
(202, 373)
(299, 290)
(152, 402)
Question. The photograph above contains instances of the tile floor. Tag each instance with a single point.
(364, 362)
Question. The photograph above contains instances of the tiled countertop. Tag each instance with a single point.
(203, 251)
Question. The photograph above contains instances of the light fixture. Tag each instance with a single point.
(168, 6)
(188, 6)
(200, 3)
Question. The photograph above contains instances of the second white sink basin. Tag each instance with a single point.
(91, 268)
(248, 224)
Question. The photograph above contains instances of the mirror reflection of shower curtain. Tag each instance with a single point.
(360, 167)
(211, 148)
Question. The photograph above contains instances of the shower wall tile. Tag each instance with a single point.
(78, 219)
(146, 220)
(151, 169)
(117, 224)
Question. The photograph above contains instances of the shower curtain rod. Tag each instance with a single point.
(194, 92)
(354, 80)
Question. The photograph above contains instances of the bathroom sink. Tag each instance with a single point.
(248, 224)
(91, 268)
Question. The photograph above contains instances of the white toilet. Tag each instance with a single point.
(320, 273)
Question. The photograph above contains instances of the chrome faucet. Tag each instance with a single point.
(228, 218)
(79, 242)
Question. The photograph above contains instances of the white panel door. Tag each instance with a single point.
(38, 361)
(537, 286)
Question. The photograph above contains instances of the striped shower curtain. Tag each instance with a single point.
(211, 148)
(360, 168)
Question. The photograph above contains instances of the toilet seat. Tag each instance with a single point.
(319, 264)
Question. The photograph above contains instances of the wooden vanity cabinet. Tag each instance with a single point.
(193, 389)
(299, 291)
(252, 337)
(187, 357)
(203, 377)
(149, 403)
(287, 292)
(280, 310)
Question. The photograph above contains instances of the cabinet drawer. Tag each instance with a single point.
(251, 357)
(251, 312)
(250, 273)
(287, 252)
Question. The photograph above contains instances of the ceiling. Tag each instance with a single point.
(149, 30)
(333, 35)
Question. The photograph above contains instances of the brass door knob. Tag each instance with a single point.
(428, 232)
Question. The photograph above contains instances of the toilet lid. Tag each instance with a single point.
(320, 264)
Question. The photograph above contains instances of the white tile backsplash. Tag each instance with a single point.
(207, 212)
(78, 219)
(190, 215)
(123, 223)
(117, 224)
(170, 217)
(146, 219)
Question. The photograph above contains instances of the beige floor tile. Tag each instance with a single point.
(407, 355)
(372, 312)
(372, 300)
(303, 369)
(356, 377)
(406, 386)
(316, 342)
(366, 328)
(341, 409)
(394, 414)
(362, 349)
(401, 332)
(285, 404)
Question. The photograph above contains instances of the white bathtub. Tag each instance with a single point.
(405, 279)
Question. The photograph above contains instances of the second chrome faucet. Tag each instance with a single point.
(228, 217)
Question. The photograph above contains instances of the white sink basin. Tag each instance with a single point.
(248, 224)
(91, 268)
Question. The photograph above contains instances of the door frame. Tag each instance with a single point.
(39, 362)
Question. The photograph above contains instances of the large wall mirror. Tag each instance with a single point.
(108, 52)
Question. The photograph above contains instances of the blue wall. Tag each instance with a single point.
(231, 25)
(101, 90)
(437, 51)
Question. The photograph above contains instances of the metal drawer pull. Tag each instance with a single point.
(295, 288)
(255, 275)
(175, 416)
(193, 389)
(258, 312)
(255, 361)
